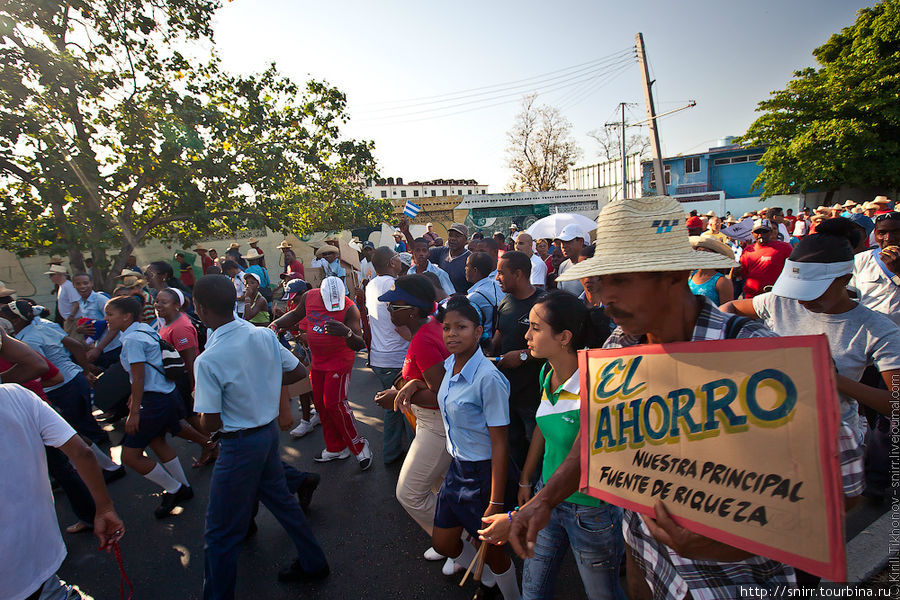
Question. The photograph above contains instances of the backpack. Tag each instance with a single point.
(173, 367)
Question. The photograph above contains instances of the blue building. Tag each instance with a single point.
(726, 171)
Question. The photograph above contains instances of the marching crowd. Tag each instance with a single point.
(474, 341)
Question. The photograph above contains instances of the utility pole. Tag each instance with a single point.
(624, 164)
(658, 171)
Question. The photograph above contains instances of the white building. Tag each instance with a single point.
(393, 188)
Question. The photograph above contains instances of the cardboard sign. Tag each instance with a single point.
(738, 438)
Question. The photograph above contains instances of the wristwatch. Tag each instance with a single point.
(523, 355)
(349, 334)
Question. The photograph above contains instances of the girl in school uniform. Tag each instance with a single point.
(154, 407)
(474, 405)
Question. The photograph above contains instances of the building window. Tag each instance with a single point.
(394, 193)
(403, 193)
(469, 191)
(459, 192)
(755, 157)
(415, 193)
(691, 165)
(443, 192)
(482, 191)
(738, 159)
(722, 161)
(433, 193)
(384, 193)
(668, 176)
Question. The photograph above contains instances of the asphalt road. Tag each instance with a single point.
(373, 547)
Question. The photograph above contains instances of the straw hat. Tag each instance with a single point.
(54, 269)
(129, 273)
(234, 246)
(658, 223)
(201, 249)
(325, 250)
(133, 281)
(881, 200)
(254, 254)
(711, 243)
(284, 245)
(836, 206)
(6, 292)
(252, 241)
(849, 204)
(870, 206)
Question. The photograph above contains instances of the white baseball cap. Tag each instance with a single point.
(332, 290)
(570, 232)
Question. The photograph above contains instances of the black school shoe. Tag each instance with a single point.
(296, 573)
(114, 475)
(170, 501)
(487, 593)
(305, 491)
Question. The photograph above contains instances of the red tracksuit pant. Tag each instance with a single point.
(329, 389)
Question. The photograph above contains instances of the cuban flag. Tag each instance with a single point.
(411, 210)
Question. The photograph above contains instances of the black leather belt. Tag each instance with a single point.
(228, 435)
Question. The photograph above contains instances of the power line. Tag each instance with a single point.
(512, 94)
(550, 75)
(577, 98)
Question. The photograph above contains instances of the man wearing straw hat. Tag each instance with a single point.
(205, 261)
(645, 291)
(255, 258)
(67, 307)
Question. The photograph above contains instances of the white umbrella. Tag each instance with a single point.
(550, 226)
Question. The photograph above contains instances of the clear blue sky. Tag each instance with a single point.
(726, 55)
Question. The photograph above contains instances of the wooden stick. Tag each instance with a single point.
(478, 560)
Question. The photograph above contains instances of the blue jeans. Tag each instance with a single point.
(595, 536)
(395, 423)
(248, 468)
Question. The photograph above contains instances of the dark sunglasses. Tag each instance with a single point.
(396, 307)
(887, 216)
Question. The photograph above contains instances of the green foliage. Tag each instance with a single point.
(117, 123)
(838, 124)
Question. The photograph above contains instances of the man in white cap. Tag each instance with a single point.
(334, 334)
(644, 290)
(430, 235)
(761, 263)
(67, 307)
(572, 239)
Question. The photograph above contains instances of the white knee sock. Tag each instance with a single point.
(105, 462)
(467, 555)
(175, 470)
(487, 577)
(508, 584)
(160, 477)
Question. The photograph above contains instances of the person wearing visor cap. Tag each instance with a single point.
(810, 297)
(334, 334)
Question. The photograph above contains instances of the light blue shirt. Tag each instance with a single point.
(46, 337)
(239, 375)
(443, 277)
(140, 344)
(92, 308)
(471, 401)
(486, 295)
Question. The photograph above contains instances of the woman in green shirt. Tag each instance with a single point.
(256, 309)
(590, 527)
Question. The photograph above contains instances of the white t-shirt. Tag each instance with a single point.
(388, 349)
(876, 290)
(30, 542)
(538, 271)
(239, 289)
(857, 338)
(367, 270)
(573, 287)
(783, 234)
(65, 297)
(801, 227)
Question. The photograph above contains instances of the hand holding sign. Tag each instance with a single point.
(687, 543)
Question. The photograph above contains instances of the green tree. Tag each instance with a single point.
(117, 124)
(541, 148)
(838, 124)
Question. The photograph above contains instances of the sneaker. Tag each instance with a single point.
(296, 573)
(302, 429)
(365, 456)
(170, 501)
(305, 491)
(432, 554)
(451, 568)
(325, 455)
(314, 419)
(114, 475)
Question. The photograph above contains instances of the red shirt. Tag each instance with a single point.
(187, 275)
(329, 352)
(426, 349)
(206, 262)
(295, 266)
(35, 384)
(762, 264)
(694, 223)
(181, 333)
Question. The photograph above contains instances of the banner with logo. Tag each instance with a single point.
(738, 438)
